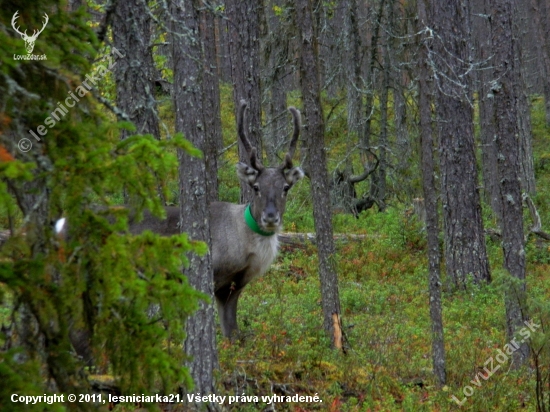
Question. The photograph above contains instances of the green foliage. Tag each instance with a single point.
(105, 282)
(125, 294)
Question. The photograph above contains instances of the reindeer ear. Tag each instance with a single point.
(246, 173)
(293, 175)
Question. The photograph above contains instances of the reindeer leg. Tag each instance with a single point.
(227, 299)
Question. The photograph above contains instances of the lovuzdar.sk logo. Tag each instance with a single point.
(29, 40)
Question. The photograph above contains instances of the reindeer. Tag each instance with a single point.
(244, 237)
(29, 40)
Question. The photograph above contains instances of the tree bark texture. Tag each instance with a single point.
(504, 93)
(135, 73)
(381, 172)
(482, 47)
(425, 97)
(275, 53)
(465, 252)
(213, 126)
(189, 77)
(369, 103)
(352, 46)
(314, 132)
(398, 53)
(541, 22)
(243, 29)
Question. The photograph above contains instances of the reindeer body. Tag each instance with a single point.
(243, 248)
(238, 254)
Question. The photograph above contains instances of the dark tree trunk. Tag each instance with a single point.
(213, 126)
(275, 53)
(381, 173)
(504, 92)
(331, 42)
(524, 31)
(541, 21)
(488, 152)
(398, 54)
(465, 252)
(317, 166)
(135, 73)
(244, 53)
(352, 46)
(430, 200)
(523, 112)
(486, 110)
(277, 129)
(369, 103)
(222, 30)
(403, 143)
(189, 77)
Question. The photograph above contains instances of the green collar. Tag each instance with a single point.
(253, 225)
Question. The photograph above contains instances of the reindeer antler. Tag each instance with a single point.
(251, 151)
(287, 164)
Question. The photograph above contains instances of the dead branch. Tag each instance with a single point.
(535, 217)
(367, 171)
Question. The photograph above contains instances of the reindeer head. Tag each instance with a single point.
(29, 40)
(270, 184)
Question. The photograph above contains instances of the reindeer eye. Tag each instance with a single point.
(256, 188)
(286, 188)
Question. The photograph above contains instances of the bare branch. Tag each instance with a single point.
(367, 170)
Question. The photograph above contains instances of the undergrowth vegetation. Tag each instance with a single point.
(383, 285)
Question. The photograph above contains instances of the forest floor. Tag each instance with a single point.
(387, 364)
(383, 286)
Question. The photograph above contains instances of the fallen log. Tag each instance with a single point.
(301, 240)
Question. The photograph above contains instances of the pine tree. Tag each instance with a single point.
(97, 279)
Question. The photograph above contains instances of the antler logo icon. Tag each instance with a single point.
(29, 40)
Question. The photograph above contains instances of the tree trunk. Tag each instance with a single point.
(222, 30)
(486, 109)
(398, 54)
(369, 104)
(244, 53)
(317, 166)
(430, 201)
(331, 41)
(213, 126)
(275, 56)
(527, 167)
(403, 144)
(352, 47)
(381, 173)
(188, 56)
(135, 73)
(504, 92)
(541, 22)
(525, 53)
(465, 252)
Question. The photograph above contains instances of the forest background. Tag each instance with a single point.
(425, 143)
